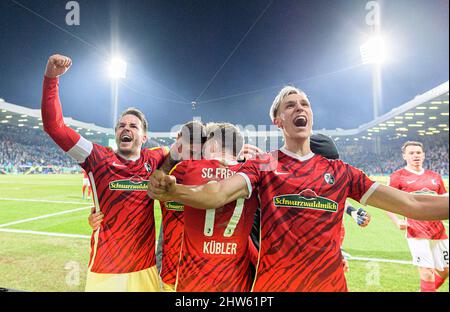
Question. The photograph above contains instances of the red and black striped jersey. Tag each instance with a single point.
(424, 182)
(215, 253)
(302, 202)
(172, 233)
(125, 241)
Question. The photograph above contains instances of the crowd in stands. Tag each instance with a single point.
(22, 149)
(390, 159)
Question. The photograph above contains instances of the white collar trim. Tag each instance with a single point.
(293, 155)
(129, 158)
(415, 172)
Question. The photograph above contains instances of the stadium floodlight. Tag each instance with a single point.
(373, 51)
(117, 68)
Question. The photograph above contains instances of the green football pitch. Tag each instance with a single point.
(45, 240)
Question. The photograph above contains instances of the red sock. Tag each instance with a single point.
(89, 191)
(83, 189)
(426, 286)
(438, 281)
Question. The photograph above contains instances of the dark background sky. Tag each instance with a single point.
(174, 48)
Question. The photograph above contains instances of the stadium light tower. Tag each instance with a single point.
(374, 52)
(117, 70)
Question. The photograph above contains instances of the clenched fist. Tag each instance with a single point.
(57, 65)
(161, 186)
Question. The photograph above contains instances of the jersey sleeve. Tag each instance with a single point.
(157, 155)
(251, 172)
(361, 187)
(179, 170)
(94, 158)
(52, 118)
(442, 189)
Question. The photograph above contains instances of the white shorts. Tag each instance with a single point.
(428, 253)
(86, 182)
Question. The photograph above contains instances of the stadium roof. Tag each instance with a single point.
(424, 115)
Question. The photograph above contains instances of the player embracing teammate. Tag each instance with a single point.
(302, 198)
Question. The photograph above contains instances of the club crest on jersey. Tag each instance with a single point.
(306, 199)
(171, 205)
(148, 167)
(135, 183)
(329, 178)
(434, 181)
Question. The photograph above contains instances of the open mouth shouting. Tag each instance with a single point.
(126, 139)
(300, 121)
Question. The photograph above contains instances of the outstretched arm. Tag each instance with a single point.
(51, 111)
(419, 207)
(206, 196)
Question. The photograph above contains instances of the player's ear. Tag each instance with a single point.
(144, 139)
(277, 122)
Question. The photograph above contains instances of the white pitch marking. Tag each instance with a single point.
(41, 200)
(44, 233)
(44, 216)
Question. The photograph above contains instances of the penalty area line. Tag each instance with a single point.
(44, 216)
(45, 233)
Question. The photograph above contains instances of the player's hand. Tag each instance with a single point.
(345, 265)
(363, 217)
(95, 219)
(161, 186)
(57, 65)
(249, 151)
(402, 225)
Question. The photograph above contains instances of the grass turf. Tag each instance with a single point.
(45, 263)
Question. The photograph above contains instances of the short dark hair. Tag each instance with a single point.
(135, 112)
(222, 131)
(412, 143)
(195, 130)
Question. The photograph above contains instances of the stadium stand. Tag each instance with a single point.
(373, 147)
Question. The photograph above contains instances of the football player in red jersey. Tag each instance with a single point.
(302, 198)
(427, 240)
(215, 253)
(123, 246)
(189, 144)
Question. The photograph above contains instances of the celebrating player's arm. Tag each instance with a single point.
(214, 195)
(52, 116)
(416, 206)
(207, 196)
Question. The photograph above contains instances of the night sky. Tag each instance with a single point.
(174, 49)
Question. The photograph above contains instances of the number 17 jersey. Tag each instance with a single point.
(215, 253)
